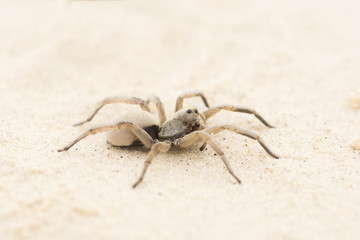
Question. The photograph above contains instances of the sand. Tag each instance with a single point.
(295, 62)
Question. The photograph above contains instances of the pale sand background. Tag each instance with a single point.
(296, 62)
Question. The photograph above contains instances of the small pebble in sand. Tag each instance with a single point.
(355, 101)
(356, 144)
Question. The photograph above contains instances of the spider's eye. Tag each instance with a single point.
(188, 111)
(196, 111)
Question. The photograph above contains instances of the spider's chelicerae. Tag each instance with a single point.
(186, 127)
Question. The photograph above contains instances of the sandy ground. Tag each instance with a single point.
(296, 62)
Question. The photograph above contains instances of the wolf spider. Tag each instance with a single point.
(184, 128)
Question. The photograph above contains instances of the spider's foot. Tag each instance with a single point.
(137, 183)
(80, 123)
(272, 154)
(203, 147)
(238, 180)
(63, 149)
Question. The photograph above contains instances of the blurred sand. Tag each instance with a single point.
(296, 62)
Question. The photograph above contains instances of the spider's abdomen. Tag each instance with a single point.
(124, 137)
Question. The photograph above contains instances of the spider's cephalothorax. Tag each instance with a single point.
(186, 127)
(180, 124)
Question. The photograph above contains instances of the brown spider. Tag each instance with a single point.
(184, 128)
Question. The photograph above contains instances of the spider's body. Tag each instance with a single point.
(181, 123)
(184, 128)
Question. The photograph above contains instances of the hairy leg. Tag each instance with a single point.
(129, 100)
(159, 106)
(159, 146)
(212, 111)
(143, 136)
(180, 99)
(217, 129)
(204, 136)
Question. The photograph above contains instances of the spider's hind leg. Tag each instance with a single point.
(159, 106)
(129, 100)
(180, 99)
(140, 133)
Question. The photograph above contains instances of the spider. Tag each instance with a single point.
(184, 128)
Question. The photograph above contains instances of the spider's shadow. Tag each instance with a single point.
(138, 149)
(194, 149)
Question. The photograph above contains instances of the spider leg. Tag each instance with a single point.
(159, 146)
(180, 99)
(212, 111)
(132, 100)
(159, 106)
(143, 136)
(207, 138)
(217, 129)
(203, 146)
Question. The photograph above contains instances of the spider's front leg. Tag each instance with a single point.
(159, 146)
(217, 129)
(212, 111)
(204, 136)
